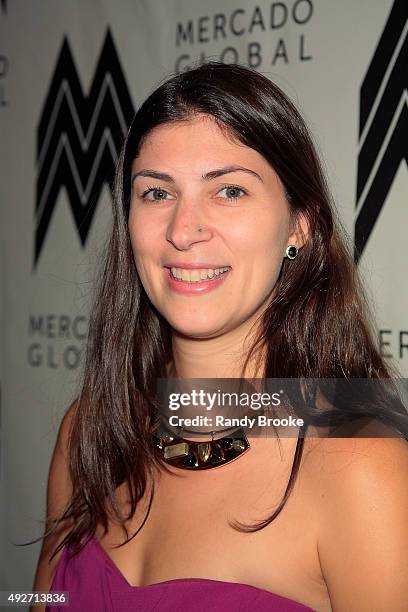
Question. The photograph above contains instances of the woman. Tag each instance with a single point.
(225, 261)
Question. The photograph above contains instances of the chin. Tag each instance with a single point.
(197, 328)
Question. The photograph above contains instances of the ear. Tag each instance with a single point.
(299, 230)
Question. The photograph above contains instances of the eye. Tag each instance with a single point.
(158, 194)
(233, 191)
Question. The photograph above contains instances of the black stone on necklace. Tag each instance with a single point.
(191, 455)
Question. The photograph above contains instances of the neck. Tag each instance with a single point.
(222, 356)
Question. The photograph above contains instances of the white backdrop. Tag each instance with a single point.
(71, 73)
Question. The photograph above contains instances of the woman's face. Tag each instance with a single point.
(189, 175)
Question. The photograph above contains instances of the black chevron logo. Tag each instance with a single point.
(79, 138)
(383, 130)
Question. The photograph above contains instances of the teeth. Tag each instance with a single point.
(196, 275)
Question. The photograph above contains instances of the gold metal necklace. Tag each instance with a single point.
(192, 455)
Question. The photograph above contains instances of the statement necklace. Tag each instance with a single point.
(191, 455)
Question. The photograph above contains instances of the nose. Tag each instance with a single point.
(187, 227)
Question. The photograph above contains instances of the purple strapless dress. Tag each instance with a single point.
(95, 584)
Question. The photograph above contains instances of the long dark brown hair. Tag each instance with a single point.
(316, 326)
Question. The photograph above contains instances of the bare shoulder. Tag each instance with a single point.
(331, 455)
(59, 490)
(361, 492)
(65, 427)
(59, 480)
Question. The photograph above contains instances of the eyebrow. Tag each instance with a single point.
(163, 176)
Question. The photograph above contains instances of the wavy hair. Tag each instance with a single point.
(318, 318)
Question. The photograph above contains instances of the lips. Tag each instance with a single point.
(199, 287)
(195, 265)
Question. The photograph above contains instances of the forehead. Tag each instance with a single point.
(195, 143)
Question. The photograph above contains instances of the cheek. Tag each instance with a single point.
(262, 240)
(263, 244)
(141, 235)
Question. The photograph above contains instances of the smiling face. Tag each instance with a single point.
(187, 176)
